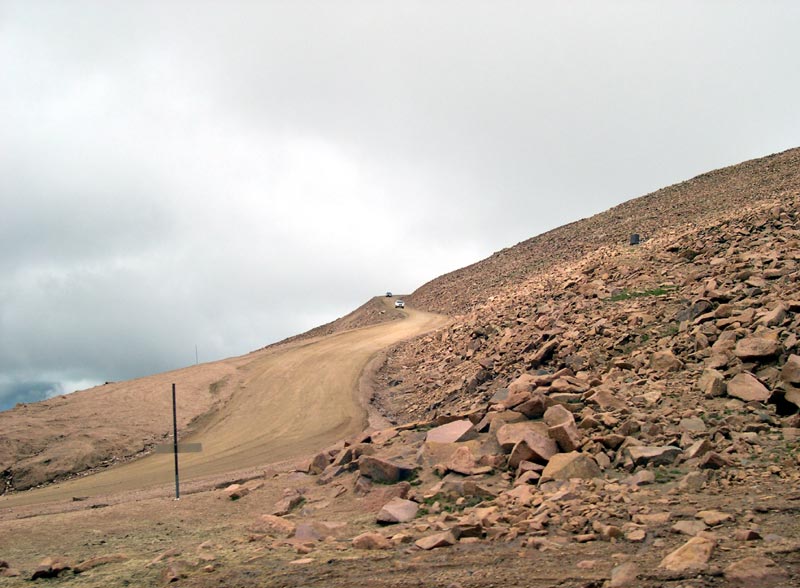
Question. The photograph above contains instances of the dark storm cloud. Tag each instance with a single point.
(191, 173)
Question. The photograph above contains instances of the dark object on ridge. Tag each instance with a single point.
(634, 239)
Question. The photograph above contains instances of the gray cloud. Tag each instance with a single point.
(186, 173)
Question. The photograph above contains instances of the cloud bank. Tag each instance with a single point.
(190, 173)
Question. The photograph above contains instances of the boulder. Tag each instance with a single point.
(318, 464)
(50, 567)
(512, 433)
(699, 449)
(462, 461)
(565, 466)
(398, 510)
(665, 361)
(605, 399)
(562, 428)
(566, 435)
(713, 518)
(647, 454)
(288, 503)
(756, 572)
(443, 539)
(746, 387)
(278, 526)
(382, 471)
(236, 491)
(711, 383)
(624, 576)
(534, 406)
(532, 447)
(692, 555)
(462, 430)
(524, 383)
(774, 317)
(791, 370)
(687, 527)
(756, 348)
(371, 540)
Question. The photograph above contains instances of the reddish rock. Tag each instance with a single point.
(512, 433)
(693, 555)
(50, 568)
(756, 348)
(524, 383)
(624, 576)
(746, 387)
(665, 361)
(453, 432)
(562, 428)
(318, 464)
(381, 470)
(699, 449)
(236, 491)
(7, 571)
(532, 447)
(713, 461)
(645, 454)
(756, 572)
(564, 466)
(711, 383)
(278, 526)
(534, 406)
(371, 540)
(444, 539)
(605, 399)
(690, 528)
(287, 504)
(713, 518)
(462, 461)
(566, 436)
(556, 415)
(774, 317)
(791, 370)
(101, 560)
(398, 510)
(746, 535)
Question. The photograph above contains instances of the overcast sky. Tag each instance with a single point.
(227, 174)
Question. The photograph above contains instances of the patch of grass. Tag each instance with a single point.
(664, 475)
(447, 503)
(628, 294)
(670, 330)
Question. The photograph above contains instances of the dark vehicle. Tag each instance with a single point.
(388, 295)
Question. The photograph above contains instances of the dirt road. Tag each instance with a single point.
(289, 402)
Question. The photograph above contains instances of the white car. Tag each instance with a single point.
(399, 304)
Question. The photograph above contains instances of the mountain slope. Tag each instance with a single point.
(703, 199)
(597, 300)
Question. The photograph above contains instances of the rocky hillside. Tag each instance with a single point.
(725, 256)
(698, 202)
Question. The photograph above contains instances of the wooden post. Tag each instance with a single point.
(175, 443)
